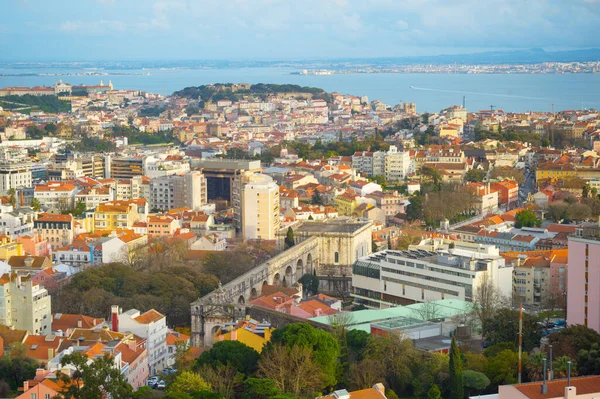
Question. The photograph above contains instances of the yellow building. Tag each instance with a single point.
(345, 204)
(248, 332)
(555, 171)
(448, 131)
(115, 215)
(9, 248)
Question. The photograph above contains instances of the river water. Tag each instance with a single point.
(431, 92)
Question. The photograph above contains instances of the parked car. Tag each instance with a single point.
(161, 385)
(152, 381)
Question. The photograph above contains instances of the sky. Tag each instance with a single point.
(67, 30)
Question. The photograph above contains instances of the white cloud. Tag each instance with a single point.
(401, 24)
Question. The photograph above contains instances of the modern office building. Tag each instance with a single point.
(389, 278)
(14, 174)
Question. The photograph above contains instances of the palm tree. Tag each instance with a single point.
(535, 366)
(561, 367)
(35, 204)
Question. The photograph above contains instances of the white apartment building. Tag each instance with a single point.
(136, 187)
(56, 195)
(389, 278)
(25, 305)
(188, 190)
(260, 208)
(151, 325)
(369, 163)
(14, 174)
(163, 166)
(397, 164)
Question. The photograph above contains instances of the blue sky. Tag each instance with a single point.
(287, 29)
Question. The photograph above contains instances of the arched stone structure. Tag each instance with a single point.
(289, 277)
(299, 269)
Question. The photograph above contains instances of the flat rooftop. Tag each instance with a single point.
(331, 227)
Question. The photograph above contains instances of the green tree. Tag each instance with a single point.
(79, 209)
(475, 175)
(187, 382)
(35, 204)
(310, 283)
(434, 175)
(325, 349)
(504, 327)
(414, 210)
(15, 367)
(434, 392)
(259, 388)
(289, 238)
(502, 368)
(12, 197)
(50, 128)
(390, 394)
(572, 339)
(527, 218)
(585, 191)
(456, 389)
(475, 381)
(317, 199)
(535, 366)
(242, 357)
(92, 380)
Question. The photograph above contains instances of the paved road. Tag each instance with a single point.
(528, 186)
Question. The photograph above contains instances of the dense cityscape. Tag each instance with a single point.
(300, 200)
(229, 213)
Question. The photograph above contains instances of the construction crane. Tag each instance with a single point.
(492, 109)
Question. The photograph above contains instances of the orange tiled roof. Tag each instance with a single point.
(149, 317)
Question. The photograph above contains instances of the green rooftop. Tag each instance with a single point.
(410, 315)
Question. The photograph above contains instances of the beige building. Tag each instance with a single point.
(24, 305)
(260, 208)
(57, 229)
(531, 281)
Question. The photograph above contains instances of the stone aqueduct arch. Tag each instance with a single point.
(221, 305)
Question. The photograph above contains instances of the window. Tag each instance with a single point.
(336, 257)
(33, 396)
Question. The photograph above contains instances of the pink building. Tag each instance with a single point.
(161, 226)
(583, 285)
(34, 245)
(135, 354)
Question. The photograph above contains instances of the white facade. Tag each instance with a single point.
(25, 305)
(150, 325)
(260, 208)
(14, 174)
(389, 278)
(397, 164)
(188, 190)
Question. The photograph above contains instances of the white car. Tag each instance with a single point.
(152, 380)
(161, 385)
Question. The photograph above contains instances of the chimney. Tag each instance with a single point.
(50, 353)
(544, 386)
(28, 262)
(114, 317)
(79, 323)
(25, 386)
(569, 374)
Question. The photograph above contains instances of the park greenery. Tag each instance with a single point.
(135, 136)
(223, 91)
(27, 103)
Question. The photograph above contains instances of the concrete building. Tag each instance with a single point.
(14, 174)
(178, 191)
(583, 282)
(587, 387)
(397, 164)
(150, 325)
(388, 278)
(24, 305)
(56, 195)
(125, 167)
(260, 208)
